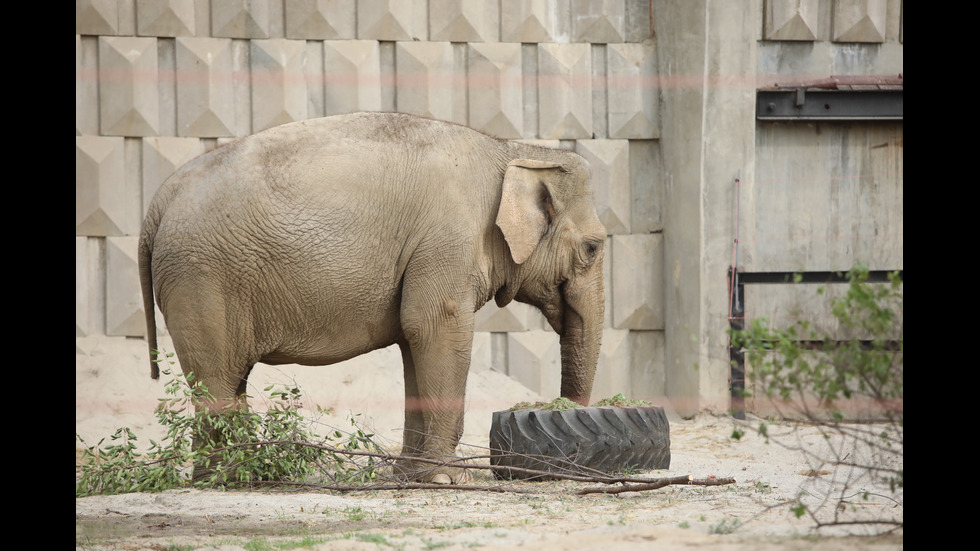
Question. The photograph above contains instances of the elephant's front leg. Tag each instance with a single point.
(436, 356)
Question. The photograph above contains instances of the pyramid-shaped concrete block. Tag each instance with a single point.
(513, 317)
(598, 21)
(496, 89)
(564, 91)
(321, 19)
(237, 19)
(130, 103)
(534, 21)
(352, 76)
(464, 20)
(631, 91)
(102, 199)
(279, 89)
(165, 18)
(161, 157)
(534, 360)
(123, 297)
(428, 82)
(391, 20)
(859, 20)
(637, 281)
(610, 164)
(96, 17)
(205, 87)
(791, 20)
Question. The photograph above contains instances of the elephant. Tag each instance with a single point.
(316, 241)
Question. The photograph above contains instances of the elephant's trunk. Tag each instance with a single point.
(581, 337)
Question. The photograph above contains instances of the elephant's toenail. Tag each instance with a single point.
(441, 478)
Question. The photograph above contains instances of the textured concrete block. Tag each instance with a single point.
(632, 96)
(165, 17)
(321, 19)
(534, 360)
(564, 91)
(86, 85)
(529, 21)
(83, 286)
(391, 20)
(612, 374)
(637, 281)
(481, 357)
(430, 83)
(464, 20)
(96, 17)
(859, 20)
(130, 101)
(161, 157)
(513, 317)
(205, 104)
(639, 26)
(101, 202)
(123, 298)
(610, 163)
(352, 76)
(648, 380)
(237, 19)
(599, 21)
(279, 91)
(791, 20)
(495, 85)
(646, 176)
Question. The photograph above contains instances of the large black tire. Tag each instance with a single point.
(610, 440)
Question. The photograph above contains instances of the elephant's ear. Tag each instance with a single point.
(526, 206)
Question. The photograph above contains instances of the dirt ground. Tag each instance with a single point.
(113, 389)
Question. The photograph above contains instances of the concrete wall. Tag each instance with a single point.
(658, 95)
(712, 57)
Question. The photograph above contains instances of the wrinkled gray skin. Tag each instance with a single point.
(317, 241)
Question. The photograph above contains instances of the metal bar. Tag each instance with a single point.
(875, 276)
(829, 105)
(736, 321)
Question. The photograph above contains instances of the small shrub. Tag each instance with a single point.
(248, 446)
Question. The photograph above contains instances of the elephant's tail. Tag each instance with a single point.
(146, 284)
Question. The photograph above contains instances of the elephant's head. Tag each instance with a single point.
(556, 242)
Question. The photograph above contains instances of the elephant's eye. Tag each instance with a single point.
(590, 249)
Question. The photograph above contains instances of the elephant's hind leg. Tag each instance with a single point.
(212, 356)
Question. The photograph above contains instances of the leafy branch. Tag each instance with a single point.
(826, 380)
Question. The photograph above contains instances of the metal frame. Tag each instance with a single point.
(737, 315)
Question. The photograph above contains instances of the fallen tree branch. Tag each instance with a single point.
(625, 483)
(657, 484)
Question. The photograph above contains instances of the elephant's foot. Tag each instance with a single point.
(431, 473)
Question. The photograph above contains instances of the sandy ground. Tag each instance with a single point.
(113, 389)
